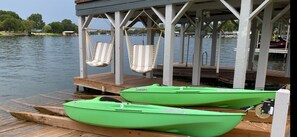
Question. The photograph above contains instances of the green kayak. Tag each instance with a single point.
(196, 123)
(196, 96)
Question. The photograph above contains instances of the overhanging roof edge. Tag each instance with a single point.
(97, 7)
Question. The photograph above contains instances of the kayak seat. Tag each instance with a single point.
(109, 99)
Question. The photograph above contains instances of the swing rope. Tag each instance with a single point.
(142, 58)
(98, 55)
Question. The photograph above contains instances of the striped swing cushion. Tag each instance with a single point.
(102, 56)
(142, 60)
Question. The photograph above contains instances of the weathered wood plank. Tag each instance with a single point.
(81, 134)
(19, 129)
(107, 83)
(51, 110)
(16, 125)
(5, 126)
(65, 122)
(56, 132)
(38, 132)
(245, 129)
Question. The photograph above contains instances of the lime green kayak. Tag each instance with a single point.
(196, 123)
(196, 96)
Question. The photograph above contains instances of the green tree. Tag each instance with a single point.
(1, 26)
(37, 18)
(47, 28)
(229, 26)
(12, 24)
(10, 13)
(68, 25)
(28, 25)
(57, 27)
(5, 16)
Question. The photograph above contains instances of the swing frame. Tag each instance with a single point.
(92, 52)
(131, 51)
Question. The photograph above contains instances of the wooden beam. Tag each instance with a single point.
(259, 8)
(68, 123)
(190, 20)
(264, 48)
(197, 62)
(82, 47)
(168, 45)
(86, 24)
(232, 9)
(242, 44)
(159, 14)
(259, 19)
(110, 18)
(119, 49)
(280, 14)
(280, 114)
(51, 110)
(181, 12)
(127, 17)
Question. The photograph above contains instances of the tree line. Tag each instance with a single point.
(12, 22)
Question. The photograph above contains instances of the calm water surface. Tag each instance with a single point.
(38, 64)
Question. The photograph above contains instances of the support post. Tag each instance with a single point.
(264, 48)
(113, 50)
(82, 47)
(150, 41)
(214, 43)
(168, 45)
(182, 42)
(253, 44)
(196, 74)
(242, 44)
(219, 53)
(279, 121)
(288, 62)
(119, 57)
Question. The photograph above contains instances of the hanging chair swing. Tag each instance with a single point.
(142, 58)
(100, 54)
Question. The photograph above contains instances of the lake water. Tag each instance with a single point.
(38, 64)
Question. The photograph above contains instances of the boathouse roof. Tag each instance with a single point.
(97, 8)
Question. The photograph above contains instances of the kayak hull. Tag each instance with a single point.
(196, 96)
(152, 117)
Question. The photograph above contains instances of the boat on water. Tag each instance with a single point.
(115, 114)
(197, 96)
(279, 43)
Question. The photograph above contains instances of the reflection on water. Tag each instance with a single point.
(32, 65)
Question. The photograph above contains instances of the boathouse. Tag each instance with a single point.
(253, 15)
(69, 33)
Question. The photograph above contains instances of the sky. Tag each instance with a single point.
(51, 11)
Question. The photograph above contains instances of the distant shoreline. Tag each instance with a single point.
(3, 33)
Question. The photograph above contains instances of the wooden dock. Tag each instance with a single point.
(106, 82)
(225, 75)
(43, 115)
